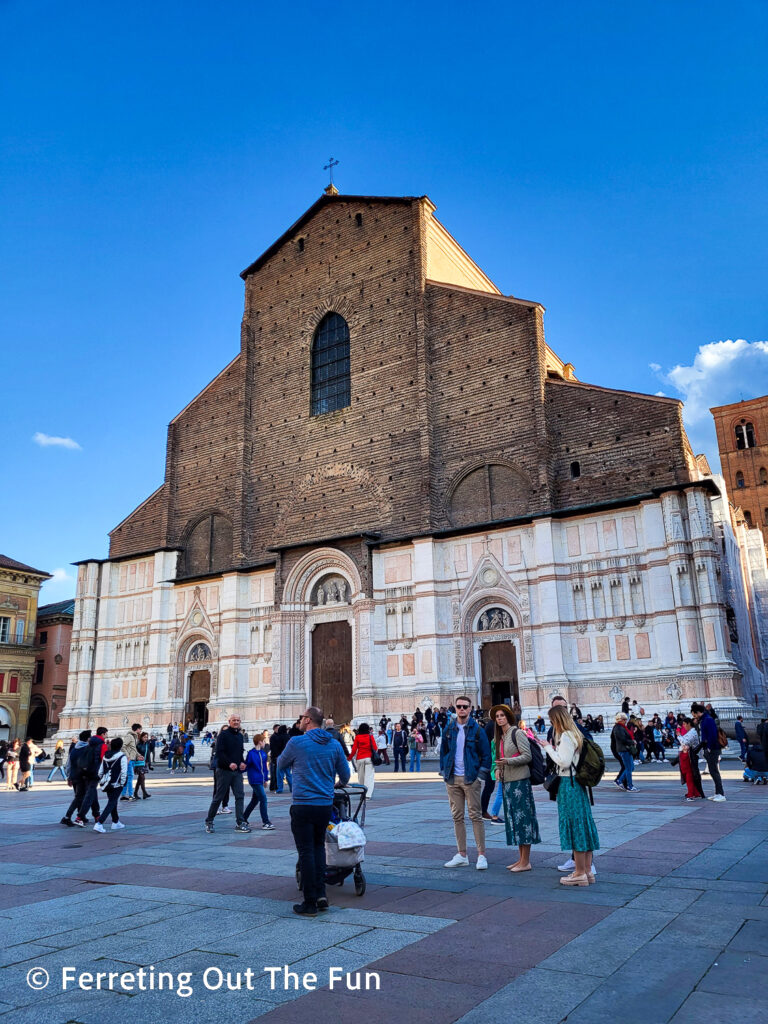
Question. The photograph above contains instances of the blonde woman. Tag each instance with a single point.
(577, 826)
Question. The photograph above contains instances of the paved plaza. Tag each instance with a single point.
(676, 928)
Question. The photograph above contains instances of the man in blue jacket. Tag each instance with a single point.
(316, 759)
(711, 742)
(465, 762)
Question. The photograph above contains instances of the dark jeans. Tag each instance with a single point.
(485, 796)
(227, 780)
(78, 799)
(712, 757)
(624, 777)
(400, 759)
(744, 748)
(259, 797)
(308, 824)
(113, 796)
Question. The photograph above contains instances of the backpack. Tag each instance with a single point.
(538, 773)
(590, 766)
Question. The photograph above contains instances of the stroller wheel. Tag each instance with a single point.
(359, 878)
(298, 877)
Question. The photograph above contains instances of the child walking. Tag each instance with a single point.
(258, 775)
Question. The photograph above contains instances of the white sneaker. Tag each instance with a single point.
(224, 810)
(569, 865)
(117, 824)
(98, 827)
(482, 863)
(718, 799)
(457, 861)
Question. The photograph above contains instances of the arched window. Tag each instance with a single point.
(330, 365)
(763, 475)
(745, 435)
(739, 479)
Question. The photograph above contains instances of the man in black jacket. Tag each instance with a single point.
(230, 764)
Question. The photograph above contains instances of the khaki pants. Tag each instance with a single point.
(366, 774)
(460, 794)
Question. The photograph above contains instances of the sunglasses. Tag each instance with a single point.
(463, 707)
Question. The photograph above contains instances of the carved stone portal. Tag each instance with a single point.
(331, 589)
(200, 652)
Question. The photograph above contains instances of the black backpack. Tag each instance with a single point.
(538, 773)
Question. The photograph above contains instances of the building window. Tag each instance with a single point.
(19, 631)
(739, 479)
(748, 518)
(575, 470)
(43, 638)
(359, 219)
(300, 245)
(765, 516)
(2, 681)
(330, 365)
(763, 475)
(13, 684)
(39, 669)
(745, 435)
(5, 630)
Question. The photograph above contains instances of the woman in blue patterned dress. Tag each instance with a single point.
(577, 826)
(513, 770)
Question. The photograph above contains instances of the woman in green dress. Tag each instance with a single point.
(513, 761)
(574, 815)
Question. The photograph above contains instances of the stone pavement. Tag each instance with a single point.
(676, 928)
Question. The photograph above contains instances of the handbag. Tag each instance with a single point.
(376, 758)
(552, 784)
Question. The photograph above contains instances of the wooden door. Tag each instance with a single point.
(332, 670)
(498, 663)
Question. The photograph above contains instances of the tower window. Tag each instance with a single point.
(745, 435)
(763, 475)
(739, 479)
(300, 245)
(359, 219)
(575, 470)
(748, 518)
(330, 365)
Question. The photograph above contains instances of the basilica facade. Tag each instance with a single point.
(397, 492)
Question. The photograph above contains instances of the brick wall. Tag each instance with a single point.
(624, 443)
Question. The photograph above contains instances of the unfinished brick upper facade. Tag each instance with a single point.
(460, 415)
(461, 516)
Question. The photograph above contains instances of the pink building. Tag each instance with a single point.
(53, 636)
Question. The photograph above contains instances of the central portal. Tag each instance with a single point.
(332, 670)
(199, 695)
(499, 674)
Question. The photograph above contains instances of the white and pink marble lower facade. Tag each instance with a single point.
(645, 601)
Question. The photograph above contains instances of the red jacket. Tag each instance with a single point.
(363, 746)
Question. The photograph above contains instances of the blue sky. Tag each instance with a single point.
(609, 160)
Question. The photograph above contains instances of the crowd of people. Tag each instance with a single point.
(489, 763)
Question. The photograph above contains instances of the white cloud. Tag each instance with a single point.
(61, 576)
(722, 372)
(46, 441)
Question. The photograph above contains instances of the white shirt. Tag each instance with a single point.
(565, 754)
(458, 761)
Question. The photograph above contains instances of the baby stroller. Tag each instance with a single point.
(756, 769)
(341, 859)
